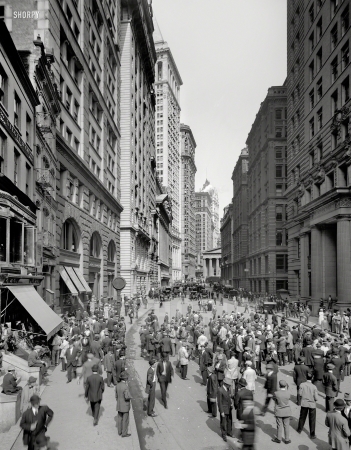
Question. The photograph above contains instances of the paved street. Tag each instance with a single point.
(184, 425)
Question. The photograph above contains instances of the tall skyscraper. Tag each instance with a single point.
(188, 171)
(319, 156)
(207, 187)
(267, 244)
(239, 221)
(138, 178)
(204, 227)
(168, 161)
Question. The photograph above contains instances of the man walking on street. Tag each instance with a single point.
(270, 385)
(151, 387)
(34, 422)
(300, 376)
(123, 398)
(164, 374)
(94, 388)
(212, 392)
(309, 396)
(331, 387)
(225, 410)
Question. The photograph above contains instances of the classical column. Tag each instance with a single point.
(329, 262)
(316, 266)
(344, 261)
(304, 264)
(217, 268)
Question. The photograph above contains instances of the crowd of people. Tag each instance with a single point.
(234, 349)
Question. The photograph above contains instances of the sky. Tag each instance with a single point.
(228, 53)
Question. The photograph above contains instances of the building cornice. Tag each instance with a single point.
(160, 50)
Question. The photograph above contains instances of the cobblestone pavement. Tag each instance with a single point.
(185, 425)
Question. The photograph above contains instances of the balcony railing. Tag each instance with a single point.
(45, 179)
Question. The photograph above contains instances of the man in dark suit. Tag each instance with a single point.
(9, 383)
(34, 422)
(120, 366)
(242, 394)
(331, 387)
(123, 398)
(212, 392)
(94, 388)
(204, 361)
(339, 363)
(346, 412)
(151, 387)
(166, 345)
(225, 410)
(300, 375)
(111, 322)
(271, 386)
(72, 354)
(164, 373)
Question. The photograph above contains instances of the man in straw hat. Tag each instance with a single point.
(31, 388)
(123, 398)
(339, 431)
(94, 388)
(331, 387)
(212, 391)
(151, 387)
(346, 412)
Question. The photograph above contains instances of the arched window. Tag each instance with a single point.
(69, 237)
(111, 252)
(95, 245)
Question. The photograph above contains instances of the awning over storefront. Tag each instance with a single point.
(45, 317)
(75, 279)
(82, 280)
(68, 282)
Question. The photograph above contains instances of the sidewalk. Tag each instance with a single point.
(72, 426)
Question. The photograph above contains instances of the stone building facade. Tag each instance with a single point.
(319, 155)
(239, 222)
(139, 245)
(167, 130)
(82, 41)
(267, 239)
(226, 245)
(207, 187)
(188, 216)
(204, 227)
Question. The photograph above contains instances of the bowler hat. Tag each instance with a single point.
(124, 375)
(242, 382)
(95, 368)
(152, 362)
(32, 380)
(11, 369)
(35, 399)
(339, 404)
(282, 383)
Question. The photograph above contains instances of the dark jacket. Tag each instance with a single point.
(243, 394)
(330, 385)
(120, 366)
(212, 386)
(271, 383)
(205, 360)
(339, 364)
(318, 368)
(163, 376)
(307, 353)
(9, 384)
(224, 401)
(150, 384)
(94, 387)
(300, 373)
(166, 344)
(72, 357)
(43, 418)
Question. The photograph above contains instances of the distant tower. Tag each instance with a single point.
(207, 187)
(167, 125)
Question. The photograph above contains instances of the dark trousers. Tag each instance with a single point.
(71, 370)
(95, 409)
(184, 371)
(281, 358)
(290, 355)
(164, 386)
(298, 396)
(111, 377)
(151, 399)
(311, 419)
(123, 423)
(55, 355)
(329, 403)
(212, 407)
(266, 404)
(226, 425)
(204, 375)
(63, 362)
